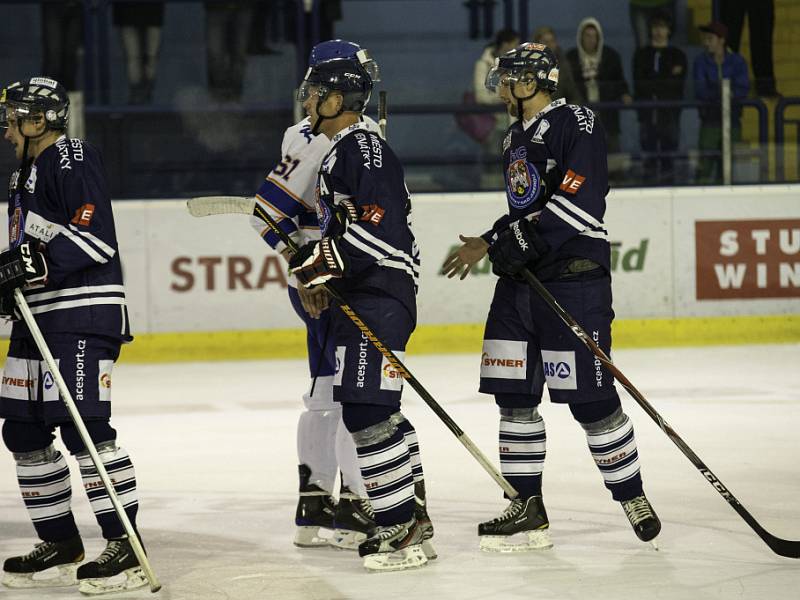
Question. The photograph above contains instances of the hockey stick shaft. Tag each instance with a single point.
(66, 396)
(787, 548)
(212, 205)
(382, 113)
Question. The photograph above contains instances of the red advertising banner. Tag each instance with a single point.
(747, 259)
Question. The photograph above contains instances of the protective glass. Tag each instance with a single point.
(369, 65)
(498, 77)
(308, 89)
(9, 112)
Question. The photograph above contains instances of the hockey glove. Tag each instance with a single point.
(8, 308)
(516, 247)
(23, 266)
(317, 262)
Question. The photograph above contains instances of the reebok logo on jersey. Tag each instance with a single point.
(83, 216)
(523, 244)
(372, 214)
(572, 182)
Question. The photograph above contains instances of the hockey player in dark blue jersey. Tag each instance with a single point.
(60, 222)
(556, 175)
(368, 252)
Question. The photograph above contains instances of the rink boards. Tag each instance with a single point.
(690, 266)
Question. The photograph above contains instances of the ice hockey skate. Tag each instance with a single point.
(49, 564)
(646, 524)
(423, 520)
(314, 515)
(352, 520)
(525, 519)
(394, 548)
(115, 570)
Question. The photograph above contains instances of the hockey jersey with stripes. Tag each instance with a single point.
(288, 193)
(570, 140)
(64, 204)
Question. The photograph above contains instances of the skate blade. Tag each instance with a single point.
(429, 550)
(538, 539)
(129, 579)
(412, 557)
(347, 539)
(60, 576)
(311, 537)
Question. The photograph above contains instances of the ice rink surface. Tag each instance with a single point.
(214, 449)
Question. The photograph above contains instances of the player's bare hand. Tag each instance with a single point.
(468, 255)
(314, 300)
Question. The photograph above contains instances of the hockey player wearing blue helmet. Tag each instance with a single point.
(368, 252)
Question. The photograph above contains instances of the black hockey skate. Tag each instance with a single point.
(646, 524)
(33, 569)
(352, 521)
(115, 570)
(423, 520)
(394, 548)
(526, 517)
(315, 510)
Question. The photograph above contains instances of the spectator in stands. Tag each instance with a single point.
(659, 73)
(227, 24)
(761, 21)
(642, 11)
(566, 81)
(598, 73)
(62, 38)
(716, 61)
(140, 29)
(494, 125)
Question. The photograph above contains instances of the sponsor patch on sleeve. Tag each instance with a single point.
(83, 216)
(372, 214)
(572, 182)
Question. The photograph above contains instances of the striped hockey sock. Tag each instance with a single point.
(122, 475)
(410, 435)
(44, 482)
(522, 449)
(613, 447)
(386, 469)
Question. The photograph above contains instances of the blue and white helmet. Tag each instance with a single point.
(527, 62)
(344, 67)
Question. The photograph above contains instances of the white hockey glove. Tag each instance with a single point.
(318, 262)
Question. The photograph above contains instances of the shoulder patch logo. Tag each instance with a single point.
(30, 185)
(372, 214)
(83, 216)
(572, 182)
(540, 131)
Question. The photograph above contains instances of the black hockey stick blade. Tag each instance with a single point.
(787, 548)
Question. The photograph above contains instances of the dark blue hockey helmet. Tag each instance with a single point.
(525, 63)
(35, 96)
(344, 67)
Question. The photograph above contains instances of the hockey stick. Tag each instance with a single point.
(215, 205)
(382, 113)
(27, 315)
(787, 548)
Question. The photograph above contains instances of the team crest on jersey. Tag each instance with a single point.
(522, 179)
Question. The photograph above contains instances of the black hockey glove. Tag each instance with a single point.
(8, 308)
(516, 247)
(23, 266)
(317, 262)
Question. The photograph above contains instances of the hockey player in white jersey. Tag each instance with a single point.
(323, 443)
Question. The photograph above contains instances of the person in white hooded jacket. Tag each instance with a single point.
(598, 73)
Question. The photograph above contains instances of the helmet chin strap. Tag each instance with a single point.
(520, 101)
(321, 117)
